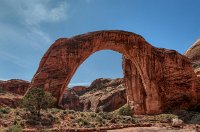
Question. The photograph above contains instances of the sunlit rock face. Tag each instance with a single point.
(194, 54)
(156, 79)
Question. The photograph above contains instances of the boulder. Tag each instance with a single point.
(177, 122)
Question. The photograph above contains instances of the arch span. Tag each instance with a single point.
(152, 75)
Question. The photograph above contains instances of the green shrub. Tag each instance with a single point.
(106, 115)
(127, 120)
(54, 110)
(99, 119)
(92, 114)
(81, 122)
(33, 121)
(82, 114)
(5, 110)
(37, 99)
(166, 118)
(195, 119)
(2, 90)
(15, 128)
(125, 110)
(47, 121)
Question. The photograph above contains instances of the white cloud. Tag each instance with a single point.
(39, 11)
(36, 12)
(79, 84)
(28, 15)
(4, 79)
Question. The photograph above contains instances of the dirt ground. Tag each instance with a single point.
(152, 129)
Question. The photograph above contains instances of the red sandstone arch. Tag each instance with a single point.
(155, 78)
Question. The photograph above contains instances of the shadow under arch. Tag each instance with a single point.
(142, 66)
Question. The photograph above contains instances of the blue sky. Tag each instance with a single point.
(29, 27)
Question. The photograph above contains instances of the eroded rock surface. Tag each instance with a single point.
(71, 100)
(79, 90)
(194, 54)
(156, 79)
(16, 86)
(10, 99)
(102, 95)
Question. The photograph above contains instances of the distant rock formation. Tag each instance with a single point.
(102, 95)
(15, 86)
(194, 54)
(79, 90)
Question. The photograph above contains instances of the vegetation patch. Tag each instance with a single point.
(36, 100)
(5, 110)
(2, 90)
(124, 110)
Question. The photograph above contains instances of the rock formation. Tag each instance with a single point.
(79, 90)
(71, 101)
(10, 100)
(102, 95)
(156, 79)
(16, 86)
(194, 54)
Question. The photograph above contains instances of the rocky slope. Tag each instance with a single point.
(9, 99)
(102, 95)
(12, 91)
(15, 86)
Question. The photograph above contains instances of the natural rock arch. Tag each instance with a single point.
(156, 79)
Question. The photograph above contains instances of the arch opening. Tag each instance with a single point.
(135, 94)
(97, 84)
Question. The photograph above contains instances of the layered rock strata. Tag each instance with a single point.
(156, 79)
